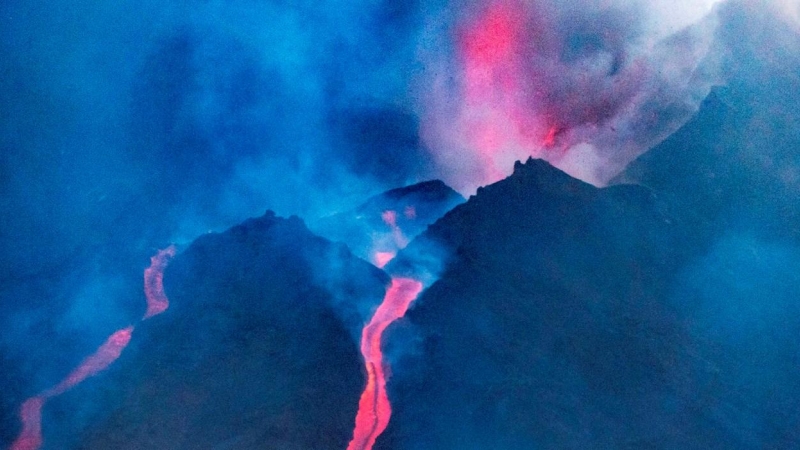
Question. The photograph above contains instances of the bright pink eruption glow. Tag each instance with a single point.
(374, 408)
(497, 118)
(157, 301)
(30, 438)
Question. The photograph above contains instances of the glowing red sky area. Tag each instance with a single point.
(30, 438)
(374, 408)
(500, 125)
(492, 108)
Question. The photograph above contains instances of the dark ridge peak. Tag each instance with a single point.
(543, 171)
(256, 225)
(424, 186)
(540, 168)
(537, 175)
(432, 190)
(537, 200)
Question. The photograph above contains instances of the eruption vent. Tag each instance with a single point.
(30, 438)
(491, 115)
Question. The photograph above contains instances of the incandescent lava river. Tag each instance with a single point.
(30, 438)
(374, 409)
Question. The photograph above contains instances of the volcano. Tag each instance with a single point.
(256, 343)
(580, 317)
(657, 311)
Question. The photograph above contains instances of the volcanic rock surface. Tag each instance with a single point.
(257, 349)
(662, 315)
(574, 317)
(412, 207)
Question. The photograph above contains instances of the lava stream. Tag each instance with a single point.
(374, 408)
(30, 438)
(157, 301)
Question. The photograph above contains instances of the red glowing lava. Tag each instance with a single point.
(374, 408)
(390, 218)
(383, 258)
(30, 438)
(95, 363)
(157, 301)
(31, 411)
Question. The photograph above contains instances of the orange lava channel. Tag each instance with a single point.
(30, 438)
(374, 408)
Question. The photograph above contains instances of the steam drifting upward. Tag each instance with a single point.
(559, 81)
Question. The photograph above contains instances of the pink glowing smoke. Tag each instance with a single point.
(579, 85)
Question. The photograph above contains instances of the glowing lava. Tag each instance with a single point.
(95, 363)
(374, 408)
(157, 301)
(383, 258)
(30, 438)
(494, 104)
(390, 218)
(385, 249)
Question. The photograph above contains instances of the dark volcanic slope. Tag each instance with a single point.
(250, 355)
(737, 162)
(415, 207)
(575, 317)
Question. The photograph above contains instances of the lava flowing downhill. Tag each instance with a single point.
(374, 409)
(30, 438)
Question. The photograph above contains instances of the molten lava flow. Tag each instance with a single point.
(157, 301)
(374, 408)
(31, 411)
(383, 258)
(30, 438)
(31, 415)
(96, 363)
